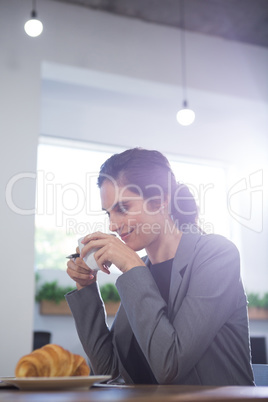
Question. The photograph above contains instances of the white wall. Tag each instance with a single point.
(227, 80)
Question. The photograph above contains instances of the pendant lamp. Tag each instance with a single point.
(33, 27)
(185, 116)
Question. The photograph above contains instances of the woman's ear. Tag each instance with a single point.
(158, 205)
(164, 206)
(166, 203)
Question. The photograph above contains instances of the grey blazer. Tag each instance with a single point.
(200, 337)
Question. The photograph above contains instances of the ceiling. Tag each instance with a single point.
(239, 20)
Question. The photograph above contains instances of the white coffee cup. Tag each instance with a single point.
(89, 257)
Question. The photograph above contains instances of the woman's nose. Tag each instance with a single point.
(113, 227)
(114, 224)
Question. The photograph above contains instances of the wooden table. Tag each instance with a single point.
(142, 393)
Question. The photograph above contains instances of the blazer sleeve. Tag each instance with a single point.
(90, 319)
(173, 348)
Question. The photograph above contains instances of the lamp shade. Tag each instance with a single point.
(185, 116)
(33, 27)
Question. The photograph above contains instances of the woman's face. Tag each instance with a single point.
(136, 220)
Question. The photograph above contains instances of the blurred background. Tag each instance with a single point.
(104, 76)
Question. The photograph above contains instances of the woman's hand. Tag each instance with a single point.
(80, 272)
(111, 250)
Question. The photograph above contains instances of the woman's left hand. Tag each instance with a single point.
(112, 250)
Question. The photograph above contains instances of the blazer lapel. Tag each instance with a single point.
(184, 252)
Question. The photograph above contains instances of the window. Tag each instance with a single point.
(67, 199)
(208, 185)
(68, 203)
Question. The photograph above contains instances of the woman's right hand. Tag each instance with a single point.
(79, 272)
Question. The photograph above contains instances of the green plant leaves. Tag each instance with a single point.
(109, 293)
(255, 300)
(52, 291)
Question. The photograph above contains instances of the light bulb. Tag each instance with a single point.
(33, 27)
(185, 116)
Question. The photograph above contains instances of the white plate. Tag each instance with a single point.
(38, 383)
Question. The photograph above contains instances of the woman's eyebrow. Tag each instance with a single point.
(116, 205)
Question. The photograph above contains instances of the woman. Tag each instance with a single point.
(183, 314)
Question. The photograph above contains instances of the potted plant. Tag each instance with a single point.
(50, 295)
(111, 298)
(258, 306)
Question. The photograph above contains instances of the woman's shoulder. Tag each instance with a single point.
(217, 250)
(210, 241)
(217, 241)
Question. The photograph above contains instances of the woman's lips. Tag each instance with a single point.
(126, 235)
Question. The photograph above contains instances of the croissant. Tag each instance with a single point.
(51, 361)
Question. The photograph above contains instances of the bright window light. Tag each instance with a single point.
(67, 200)
(208, 186)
